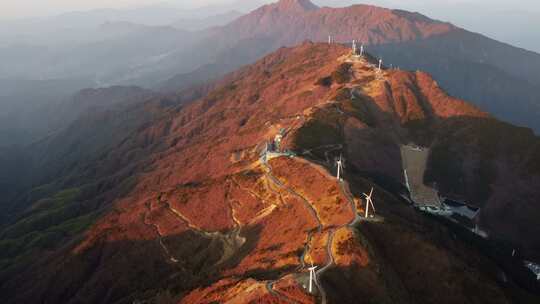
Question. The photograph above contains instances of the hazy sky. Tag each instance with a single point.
(27, 8)
(516, 22)
(14, 9)
(24, 8)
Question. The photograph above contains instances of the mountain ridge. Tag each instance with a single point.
(403, 39)
(189, 196)
(296, 5)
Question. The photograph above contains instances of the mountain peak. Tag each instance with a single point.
(296, 5)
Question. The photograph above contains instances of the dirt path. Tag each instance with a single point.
(345, 190)
(277, 182)
(344, 187)
(231, 241)
(277, 294)
(313, 212)
(328, 265)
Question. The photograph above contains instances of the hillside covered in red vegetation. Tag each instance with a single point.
(189, 209)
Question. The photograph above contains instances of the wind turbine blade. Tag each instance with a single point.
(370, 193)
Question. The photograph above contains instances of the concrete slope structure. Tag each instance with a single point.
(414, 167)
(185, 209)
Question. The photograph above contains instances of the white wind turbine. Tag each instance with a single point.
(369, 202)
(339, 163)
(380, 64)
(361, 50)
(312, 277)
(354, 47)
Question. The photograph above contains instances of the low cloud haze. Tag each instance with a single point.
(34, 8)
(514, 22)
(27, 8)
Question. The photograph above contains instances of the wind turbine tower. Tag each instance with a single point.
(312, 276)
(354, 47)
(369, 202)
(361, 50)
(339, 163)
(380, 64)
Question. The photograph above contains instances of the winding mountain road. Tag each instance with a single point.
(277, 294)
(312, 210)
(345, 190)
(330, 258)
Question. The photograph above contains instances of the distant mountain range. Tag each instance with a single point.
(501, 79)
(208, 22)
(103, 48)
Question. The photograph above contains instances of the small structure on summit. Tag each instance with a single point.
(273, 148)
